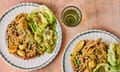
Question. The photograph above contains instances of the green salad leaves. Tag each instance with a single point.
(42, 23)
(113, 58)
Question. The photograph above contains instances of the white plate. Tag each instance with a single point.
(17, 62)
(91, 34)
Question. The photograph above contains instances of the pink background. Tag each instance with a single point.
(97, 14)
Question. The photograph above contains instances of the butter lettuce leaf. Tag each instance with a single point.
(42, 23)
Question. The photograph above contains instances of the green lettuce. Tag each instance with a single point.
(42, 21)
(114, 56)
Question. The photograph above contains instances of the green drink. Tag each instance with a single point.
(71, 16)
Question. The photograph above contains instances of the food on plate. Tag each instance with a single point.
(87, 54)
(114, 56)
(102, 68)
(44, 30)
(32, 34)
(95, 56)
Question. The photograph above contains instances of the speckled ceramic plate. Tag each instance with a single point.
(91, 34)
(35, 63)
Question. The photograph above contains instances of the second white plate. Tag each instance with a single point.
(91, 34)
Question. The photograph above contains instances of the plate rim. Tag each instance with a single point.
(50, 59)
(80, 34)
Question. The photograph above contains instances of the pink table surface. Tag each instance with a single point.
(97, 14)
